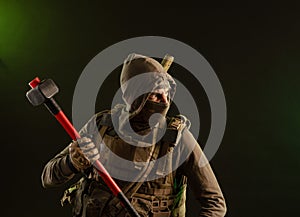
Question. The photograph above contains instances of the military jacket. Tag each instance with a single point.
(179, 161)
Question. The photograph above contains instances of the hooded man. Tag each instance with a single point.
(151, 156)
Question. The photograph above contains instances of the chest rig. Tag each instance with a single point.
(159, 197)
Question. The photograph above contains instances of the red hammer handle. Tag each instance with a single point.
(64, 121)
(66, 124)
(59, 115)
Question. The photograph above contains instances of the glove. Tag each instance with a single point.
(83, 153)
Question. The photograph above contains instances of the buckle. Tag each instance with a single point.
(160, 205)
(164, 204)
(155, 205)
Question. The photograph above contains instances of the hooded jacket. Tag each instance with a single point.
(140, 76)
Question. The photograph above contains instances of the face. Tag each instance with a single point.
(160, 95)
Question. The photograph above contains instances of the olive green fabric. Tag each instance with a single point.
(201, 179)
(158, 197)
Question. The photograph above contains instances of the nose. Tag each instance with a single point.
(164, 98)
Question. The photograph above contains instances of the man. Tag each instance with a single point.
(151, 156)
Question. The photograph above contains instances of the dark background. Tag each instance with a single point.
(255, 54)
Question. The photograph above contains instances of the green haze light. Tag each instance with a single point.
(12, 29)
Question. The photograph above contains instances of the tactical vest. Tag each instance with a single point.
(162, 197)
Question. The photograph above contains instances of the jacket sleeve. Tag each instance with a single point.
(202, 179)
(58, 170)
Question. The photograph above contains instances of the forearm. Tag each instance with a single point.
(58, 170)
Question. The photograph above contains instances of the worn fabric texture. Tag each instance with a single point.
(124, 133)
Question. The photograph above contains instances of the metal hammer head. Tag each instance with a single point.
(41, 91)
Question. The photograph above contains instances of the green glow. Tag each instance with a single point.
(12, 29)
(24, 34)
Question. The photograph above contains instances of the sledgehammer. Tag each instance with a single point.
(43, 92)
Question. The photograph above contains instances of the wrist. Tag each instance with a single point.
(70, 164)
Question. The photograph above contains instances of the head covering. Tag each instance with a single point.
(140, 76)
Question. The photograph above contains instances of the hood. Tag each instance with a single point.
(141, 75)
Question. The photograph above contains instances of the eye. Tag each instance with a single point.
(153, 95)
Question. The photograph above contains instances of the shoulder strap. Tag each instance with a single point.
(175, 125)
(114, 205)
(172, 136)
(104, 120)
(139, 182)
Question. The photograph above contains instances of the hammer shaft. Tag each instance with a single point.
(56, 111)
(66, 124)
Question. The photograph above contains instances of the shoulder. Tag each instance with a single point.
(104, 117)
(92, 125)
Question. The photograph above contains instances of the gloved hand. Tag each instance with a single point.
(83, 153)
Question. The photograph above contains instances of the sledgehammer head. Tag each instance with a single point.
(41, 91)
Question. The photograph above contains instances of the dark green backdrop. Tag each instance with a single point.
(255, 54)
